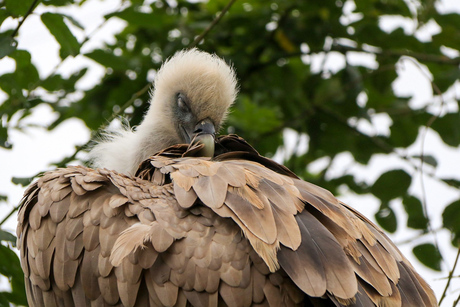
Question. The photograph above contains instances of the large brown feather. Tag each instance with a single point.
(234, 230)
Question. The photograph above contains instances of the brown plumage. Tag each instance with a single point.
(234, 229)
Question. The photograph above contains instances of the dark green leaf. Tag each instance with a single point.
(107, 59)
(391, 184)
(18, 8)
(452, 182)
(4, 138)
(3, 198)
(7, 45)
(148, 20)
(448, 128)
(26, 75)
(74, 21)
(3, 15)
(11, 268)
(386, 218)
(57, 27)
(415, 216)
(404, 130)
(428, 159)
(58, 2)
(253, 118)
(450, 220)
(429, 255)
(8, 237)
(24, 181)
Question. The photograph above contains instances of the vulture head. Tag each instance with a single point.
(192, 93)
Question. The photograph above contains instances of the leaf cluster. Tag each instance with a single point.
(280, 51)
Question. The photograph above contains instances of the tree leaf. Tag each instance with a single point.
(450, 220)
(3, 15)
(59, 2)
(11, 268)
(8, 237)
(57, 27)
(7, 45)
(415, 216)
(429, 255)
(18, 8)
(391, 184)
(428, 159)
(448, 128)
(452, 182)
(386, 218)
(24, 181)
(4, 138)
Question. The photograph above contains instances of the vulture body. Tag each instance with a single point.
(208, 223)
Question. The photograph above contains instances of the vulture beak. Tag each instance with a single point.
(204, 133)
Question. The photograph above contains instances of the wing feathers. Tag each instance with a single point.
(206, 233)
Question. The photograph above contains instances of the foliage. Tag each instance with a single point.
(273, 47)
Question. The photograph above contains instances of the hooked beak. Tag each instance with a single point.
(204, 133)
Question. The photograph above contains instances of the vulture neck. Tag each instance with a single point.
(124, 150)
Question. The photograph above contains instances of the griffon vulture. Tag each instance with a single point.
(211, 223)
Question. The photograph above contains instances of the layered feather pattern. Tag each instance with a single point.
(233, 230)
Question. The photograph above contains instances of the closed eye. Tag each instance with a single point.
(182, 103)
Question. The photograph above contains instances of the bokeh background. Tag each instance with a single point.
(360, 97)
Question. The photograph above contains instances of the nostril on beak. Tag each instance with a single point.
(199, 128)
(204, 126)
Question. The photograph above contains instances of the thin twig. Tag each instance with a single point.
(29, 11)
(199, 38)
(456, 301)
(451, 273)
(429, 123)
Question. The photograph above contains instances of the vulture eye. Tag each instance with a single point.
(182, 104)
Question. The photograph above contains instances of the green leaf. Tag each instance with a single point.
(391, 184)
(386, 218)
(448, 128)
(107, 59)
(404, 131)
(8, 237)
(58, 2)
(57, 82)
(4, 138)
(254, 118)
(156, 20)
(429, 255)
(427, 159)
(452, 182)
(24, 181)
(18, 8)
(26, 75)
(73, 21)
(7, 45)
(10, 267)
(450, 220)
(3, 15)
(57, 27)
(416, 217)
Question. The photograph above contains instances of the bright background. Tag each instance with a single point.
(35, 148)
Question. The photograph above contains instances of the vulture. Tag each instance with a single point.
(172, 215)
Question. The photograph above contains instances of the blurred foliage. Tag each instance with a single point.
(280, 51)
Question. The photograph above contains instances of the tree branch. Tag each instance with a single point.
(29, 11)
(199, 38)
(451, 273)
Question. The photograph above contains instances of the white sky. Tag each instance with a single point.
(36, 148)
